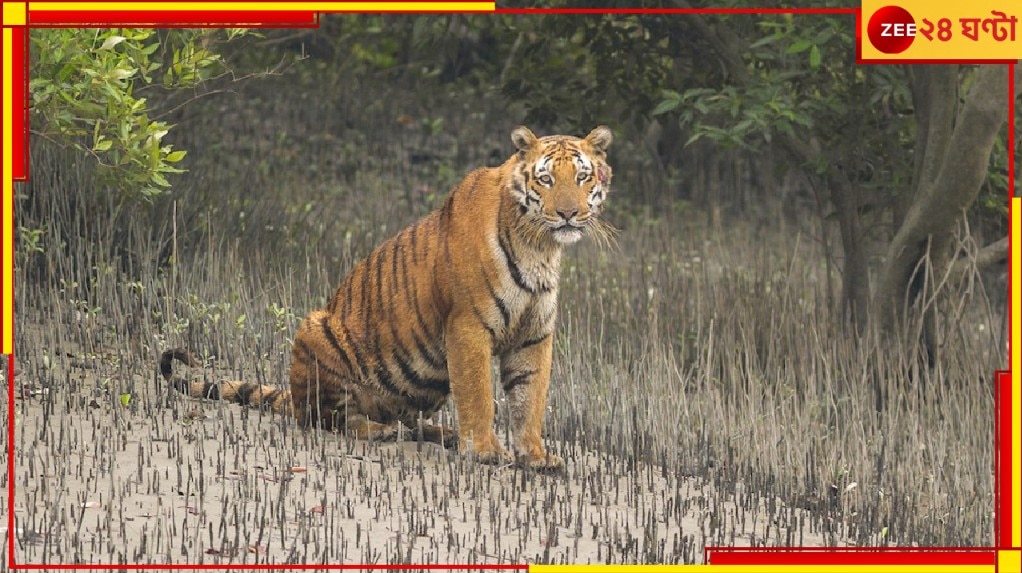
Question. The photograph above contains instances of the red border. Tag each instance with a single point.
(717, 555)
(1004, 442)
(1002, 461)
(19, 103)
(849, 556)
(197, 18)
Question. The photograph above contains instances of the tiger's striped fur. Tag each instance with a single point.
(423, 316)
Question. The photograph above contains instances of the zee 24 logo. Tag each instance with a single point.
(892, 29)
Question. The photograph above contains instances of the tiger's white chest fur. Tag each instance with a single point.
(525, 294)
(539, 273)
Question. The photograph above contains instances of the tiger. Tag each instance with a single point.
(425, 314)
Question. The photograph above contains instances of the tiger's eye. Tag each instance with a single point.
(546, 180)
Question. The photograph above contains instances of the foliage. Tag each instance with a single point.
(793, 90)
(87, 87)
(580, 71)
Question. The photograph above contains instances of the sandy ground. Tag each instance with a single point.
(164, 479)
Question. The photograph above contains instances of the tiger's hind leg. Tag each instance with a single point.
(345, 410)
(360, 427)
(331, 415)
(441, 434)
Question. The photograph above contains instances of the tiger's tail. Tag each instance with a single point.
(244, 393)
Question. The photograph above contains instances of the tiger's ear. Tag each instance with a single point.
(600, 138)
(523, 138)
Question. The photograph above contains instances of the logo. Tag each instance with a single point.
(891, 29)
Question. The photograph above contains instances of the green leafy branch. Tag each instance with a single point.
(85, 93)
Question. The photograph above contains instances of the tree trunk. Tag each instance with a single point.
(855, 276)
(934, 96)
(949, 181)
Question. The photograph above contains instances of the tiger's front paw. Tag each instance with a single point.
(545, 462)
(487, 451)
(495, 457)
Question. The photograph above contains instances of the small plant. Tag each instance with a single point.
(283, 317)
(31, 240)
(31, 244)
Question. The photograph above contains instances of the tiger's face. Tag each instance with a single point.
(561, 182)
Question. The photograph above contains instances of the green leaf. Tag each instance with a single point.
(666, 106)
(814, 57)
(175, 156)
(694, 138)
(156, 135)
(763, 41)
(696, 92)
(102, 145)
(112, 41)
(125, 399)
(121, 73)
(799, 46)
(160, 180)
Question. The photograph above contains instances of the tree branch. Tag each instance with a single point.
(976, 129)
(990, 255)
(928, 223)
(934, 97)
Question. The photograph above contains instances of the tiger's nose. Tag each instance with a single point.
(567, 214)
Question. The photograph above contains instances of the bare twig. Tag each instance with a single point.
(994, 253)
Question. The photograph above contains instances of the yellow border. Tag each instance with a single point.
(1016, 369)
(15, 13)
(1009, 561)
(8, 194)
(269, 6)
